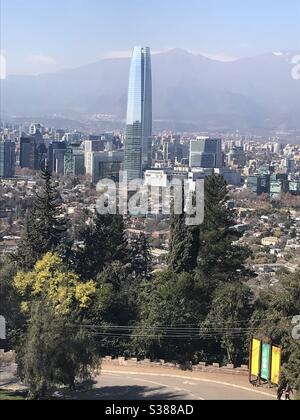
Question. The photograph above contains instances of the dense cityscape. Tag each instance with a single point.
(95, 300)
(263, 176)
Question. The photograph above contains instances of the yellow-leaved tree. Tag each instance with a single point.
(51, 282)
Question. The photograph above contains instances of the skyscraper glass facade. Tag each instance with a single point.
(206, 153)
(139, 115)
(7, 159)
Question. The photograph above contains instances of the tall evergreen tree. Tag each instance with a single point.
(220, 255)
(140, 257)
(104, 241)
(45, 227)
(184, 244)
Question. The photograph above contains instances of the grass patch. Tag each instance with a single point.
(6, 395)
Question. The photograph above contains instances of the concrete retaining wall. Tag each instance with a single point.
(9, 358)
(201, 367)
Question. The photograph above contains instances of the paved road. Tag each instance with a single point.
(125, 386)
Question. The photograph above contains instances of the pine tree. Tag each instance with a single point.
(221, 258)
(104, 241)
(141, 259)
(45, 227)
(183, 245)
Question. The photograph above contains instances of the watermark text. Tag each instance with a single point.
(138, 198)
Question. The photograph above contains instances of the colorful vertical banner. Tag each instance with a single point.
(265, 362)
(276, 365)
(255, 357)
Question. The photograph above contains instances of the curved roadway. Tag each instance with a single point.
(114, 385)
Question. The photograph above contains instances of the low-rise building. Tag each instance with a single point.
(270, 241)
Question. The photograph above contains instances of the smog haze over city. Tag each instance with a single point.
(81, 53)
(149, 202)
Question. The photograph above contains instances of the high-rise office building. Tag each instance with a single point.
(106, 165)
(206, 153)
(259, 184)
(95, 144)
(139, 115)
(289, 164)
(27, 152)
(56, 157)
(74, 161)
(32, 152)
(7, 159)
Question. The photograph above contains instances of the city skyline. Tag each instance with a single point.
(59, 37)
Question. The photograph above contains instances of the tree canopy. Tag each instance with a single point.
(52, 283)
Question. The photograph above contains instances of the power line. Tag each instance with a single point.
(189, 326)
(155, 337)
(172, 330)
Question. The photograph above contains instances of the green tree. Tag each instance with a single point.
(55, 351)
(184, 245)
(104, 241)
(7, 292)
(55, 348)
(228, 320)
(9, 299)
(221, 258)
(120, 308)
(171, 306)
(274, 312)
(140, 257)
(45, 227)
(115, 305)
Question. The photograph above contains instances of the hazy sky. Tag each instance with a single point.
(47, 35)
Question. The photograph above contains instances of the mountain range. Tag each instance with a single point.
(188, 90)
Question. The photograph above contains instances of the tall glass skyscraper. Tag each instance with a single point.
(139, 115)
(7, 159)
